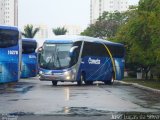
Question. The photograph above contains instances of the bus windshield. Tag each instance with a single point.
(28, 47)
(8, 38)
(55, 56)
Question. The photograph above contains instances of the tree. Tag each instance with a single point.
(59, 31)
(141, 35)
(29, 31)
(102, 29)
(107, 25)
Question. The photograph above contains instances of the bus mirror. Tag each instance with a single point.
(73, 48)
(40, 49)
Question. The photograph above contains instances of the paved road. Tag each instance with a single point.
(33, 98)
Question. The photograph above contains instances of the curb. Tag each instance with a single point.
(146, 88)
(139, 86)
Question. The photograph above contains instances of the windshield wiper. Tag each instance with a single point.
(58, 59)
(50, 61)
(47, 65)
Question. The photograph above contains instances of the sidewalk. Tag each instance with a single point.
(139, 86)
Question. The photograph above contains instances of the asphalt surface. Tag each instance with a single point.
(31, 99)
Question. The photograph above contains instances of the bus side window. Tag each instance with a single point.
(117, 51)
(94, 49)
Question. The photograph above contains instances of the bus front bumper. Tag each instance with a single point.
(68, 78)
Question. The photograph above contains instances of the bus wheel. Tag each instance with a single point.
(109, 82)
(54, 83)
(82, 78)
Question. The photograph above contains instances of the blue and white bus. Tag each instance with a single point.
(10, 54)
(29, 58)
(81, 59)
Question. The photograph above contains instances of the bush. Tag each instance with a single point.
(155, 71)
(132, 74)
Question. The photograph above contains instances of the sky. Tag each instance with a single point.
(55, 13)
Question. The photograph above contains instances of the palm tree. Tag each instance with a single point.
(59, 31)
(29, 31)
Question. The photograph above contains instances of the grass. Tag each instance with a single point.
(148, 83)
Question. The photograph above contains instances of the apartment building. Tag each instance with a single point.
(97, 7)
(9, 12)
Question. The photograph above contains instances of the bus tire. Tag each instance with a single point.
(54, 83)
(82, 78)
(109, 82)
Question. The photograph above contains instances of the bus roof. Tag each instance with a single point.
(28, 39)
(29, 43)
(74, 38)
(8, 27)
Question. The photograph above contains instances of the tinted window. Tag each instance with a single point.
(117, 51)
(94, 49)
(8, 38)
(28, 47)
(98, 49)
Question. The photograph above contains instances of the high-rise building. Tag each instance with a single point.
(9, 12)
(97, 7)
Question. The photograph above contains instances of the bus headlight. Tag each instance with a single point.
(40, 72)
(68, 77)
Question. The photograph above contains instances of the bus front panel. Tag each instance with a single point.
(29, 65)
(9, 54)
